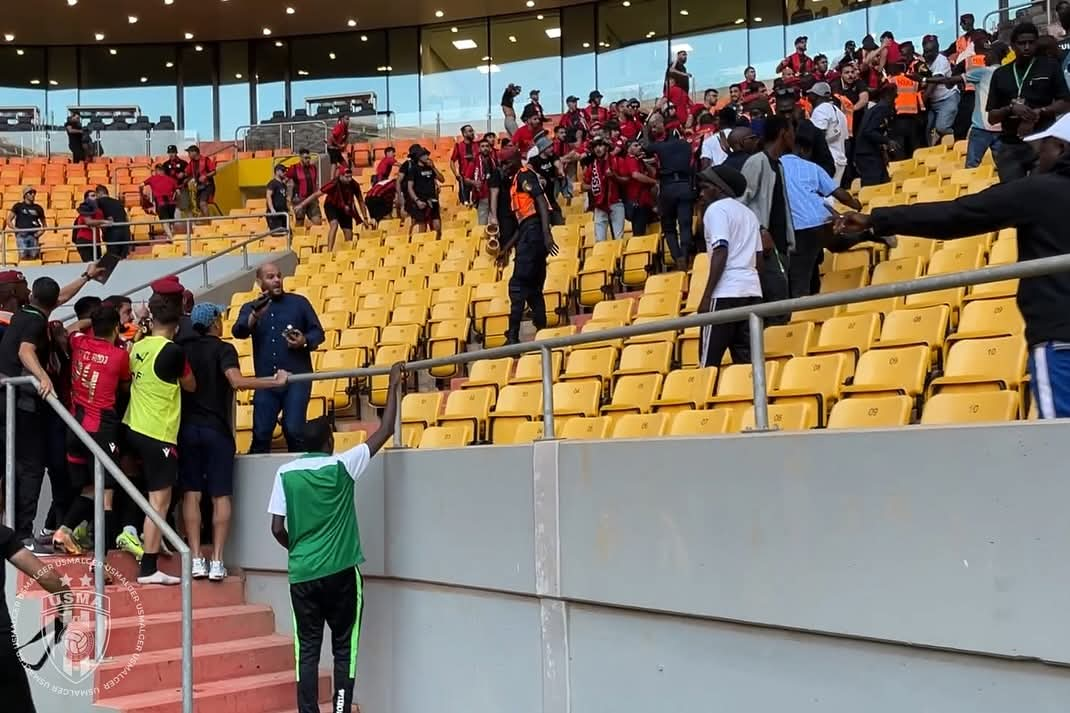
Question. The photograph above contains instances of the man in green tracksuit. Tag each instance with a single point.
(313, 516)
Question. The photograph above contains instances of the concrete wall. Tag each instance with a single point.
(915, 569)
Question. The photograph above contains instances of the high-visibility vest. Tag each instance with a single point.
(848, 108)
(907, 98)
(521, 202)
(977, 60)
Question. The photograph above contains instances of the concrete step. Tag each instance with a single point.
(163, 631)
(123, 601)
(121, 565)
(211, 662)
(250, 694)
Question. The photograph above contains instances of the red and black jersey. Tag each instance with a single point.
(305, 179)
(340, 134)
(340, 195)
(98, 367)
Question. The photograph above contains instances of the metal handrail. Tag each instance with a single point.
(189, 237)
(249, 127)
(104, 462)
(756, 315)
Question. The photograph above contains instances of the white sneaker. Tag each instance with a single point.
(218, 572)
(158, 577)
(200, 568)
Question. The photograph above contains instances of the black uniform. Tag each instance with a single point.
(870, 137)
(529, 270)
(676, 198)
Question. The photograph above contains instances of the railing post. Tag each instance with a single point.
(757, 360)
(187, 630)
(204, 275)
(245, 257)
(399, 441)
(189, 233)
(9, 455)
(3, 250)
(100, 554)
(547, 394)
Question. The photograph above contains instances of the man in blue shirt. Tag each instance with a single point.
(285, 331)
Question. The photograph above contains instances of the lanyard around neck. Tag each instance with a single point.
(1021, 81)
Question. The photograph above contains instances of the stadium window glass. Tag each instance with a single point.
(62, 83)
(527, 50)
(22, 82)
(913, 19)
(123, 75)
(342, 64)
(233, 88)
(198, 71)
(826, 32)
(403, 76)
(455, 76)
(270, 59)
(715, 40)
(633, 48)
(766, 42)
(578, 63)
(979, 9)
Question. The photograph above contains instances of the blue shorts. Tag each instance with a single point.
(1049, 369)
(207, 462)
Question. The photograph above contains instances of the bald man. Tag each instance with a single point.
(742, 142)
(285, 331)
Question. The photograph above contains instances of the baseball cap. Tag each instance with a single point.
(821, 89)
(543, 142)
(11, 277)
(532, 153)
(801, 38)
(594, 94)
(169, 285)
(28, 189)
(1059, 130)
(572, 98)
(728, 179)
(172, 149)
(205, 314)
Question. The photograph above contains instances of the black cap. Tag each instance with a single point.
(801, 38)
(729, 180)
(533, 92)
(572, 98)
(594, 94)
(172, 149)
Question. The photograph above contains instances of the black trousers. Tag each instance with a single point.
(336, 600)
(908, 130)
(677, 204)
(871, 169)
(639, 216)
(59, 476)
(733, 336)
(773, 273)
(1014, 161)
(14, 684)
(809, 243)
(29, 466)
(529, 278)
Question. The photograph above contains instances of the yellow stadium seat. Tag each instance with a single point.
(784, 341)
(525, 432)
(992, 290)
(637, 260)
(913, 247)
(700, 273)
(686, 389)
(420, 297)
(700, 423)
(983, 365)
(1004, 252)
(598, 325)
(370, 318)
(444, 437)
(901, 370)
(619, 311)
(469, 409)
(850, 335)
(415, 315)
(660, 304)
(489, 372)
(885, 273)
(419, 411)
(243, 418)
(379, 385)
(816, 379)
(649, 425)
(956, 256)
(442, 311)
(585, 429)
(577, 398)
(844, 280)
(516, 403)
(406, 334)
(849, 260)
(735, 389)
(871, 412)
(550, 332)
(344, 440)
(907, 327)
(987, 318)
(595, 280)
(594, 364)
(633, 394)
(972, 407)
(794, 416)
(448, 337)
(645, 358)
(671, 282)
(529, 367)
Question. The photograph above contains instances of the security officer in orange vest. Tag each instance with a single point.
(908, 123)
(534, 244)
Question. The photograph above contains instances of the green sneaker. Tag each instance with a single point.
(129, 542)
(82, 537)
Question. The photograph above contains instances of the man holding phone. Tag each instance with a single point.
(285, 331)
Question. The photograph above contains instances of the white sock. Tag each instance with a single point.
(130, 529)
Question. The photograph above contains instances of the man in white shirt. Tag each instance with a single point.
(733, 241)
(712, 152)
(829, 118)
(941, 99)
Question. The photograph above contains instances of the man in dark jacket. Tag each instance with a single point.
(1036, 205)
(872, 143)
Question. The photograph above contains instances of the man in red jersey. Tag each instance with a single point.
(201, 171)
(344, 198)
(160, 191)
(595, 113)
(303, 180)
(462, 161)
(639, 190)
(524, 138)
(100, 379)
(339, 138)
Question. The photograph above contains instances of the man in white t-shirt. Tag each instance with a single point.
(712, 152)
(829, 118)
(733, 241)
(941, 100)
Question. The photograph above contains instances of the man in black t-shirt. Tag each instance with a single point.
(14, 685)
(422, 179)
(547, 164)
(117, 236)
(510, 94)
(28, 218)
(276, 200)
(534, 243)
(26, 349)
(206, 439)
(501, 200)
(1025, 96)
(75, 137)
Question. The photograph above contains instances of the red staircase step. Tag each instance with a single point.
(211, 662)
(164, 631)
(157, 599)
(121, 565)
(250, 694)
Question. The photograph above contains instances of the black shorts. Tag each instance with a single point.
(345, 220)
(80, 459)
(310, 211)
(207, 464)
(335, 155)
(276, 222)
(165, 212)
(424, 215)
(159, 460)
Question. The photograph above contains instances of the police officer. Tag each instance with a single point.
(534, 243)
(676, 197)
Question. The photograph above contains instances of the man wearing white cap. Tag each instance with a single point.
(1035, 205)
(828, 118)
